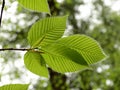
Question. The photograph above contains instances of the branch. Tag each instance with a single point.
(3, 5)
(21, 49)
(15, 49)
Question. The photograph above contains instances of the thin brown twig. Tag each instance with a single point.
(15, 49)
(21, 49)
(3, 5)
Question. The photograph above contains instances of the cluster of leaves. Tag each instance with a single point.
(50, 49)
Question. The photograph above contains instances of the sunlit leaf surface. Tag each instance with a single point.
(35, 63)
(15, 87)
(36, 5)
(47, 31)
(73, 53)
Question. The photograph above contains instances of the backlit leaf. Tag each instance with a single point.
(14, 87)
(62, 64)
(35, 63)
(47, 31)
(36, 5)
(72, 53)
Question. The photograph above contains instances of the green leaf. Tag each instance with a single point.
(15, 87)
(61, 63)
(35, 63)
(73, 53)
(36, 5)
(47, 31)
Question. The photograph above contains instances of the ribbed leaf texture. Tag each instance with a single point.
(15, 87)
(73, 53)
(47, 31)
(62, 63)
(35, 63)
(36, 5)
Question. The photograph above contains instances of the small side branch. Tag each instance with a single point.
(3, 5)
